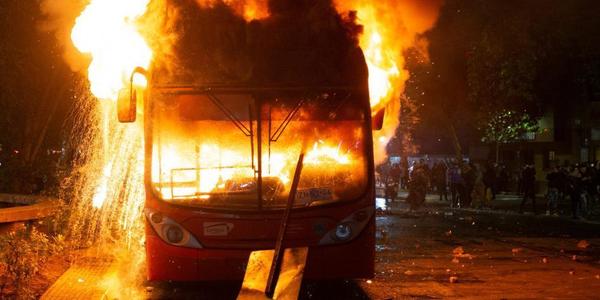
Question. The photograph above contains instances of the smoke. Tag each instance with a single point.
(60, 16)
(299, 43)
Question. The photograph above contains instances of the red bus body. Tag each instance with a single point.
(223, 256)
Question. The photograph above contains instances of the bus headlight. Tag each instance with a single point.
(343, 232)
(174, 234)
(348, 228)
(169, 231)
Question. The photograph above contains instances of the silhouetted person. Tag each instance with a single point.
(391, 186)
(468, 175)
(417, 187)
(405, 173)
(574, 190)
(528, 187)
(456, 183)
(553, 177)
(489, 180)
(439, 179)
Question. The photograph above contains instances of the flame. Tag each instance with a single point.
(107, 31)
(255, 10)
(190, 178)
(101, 190)
(323, 154)
(383, 66)
(250, 10)
(389, 28)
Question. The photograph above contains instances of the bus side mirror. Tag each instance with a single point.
(126, 105)
(377, 119)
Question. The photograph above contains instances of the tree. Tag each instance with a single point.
(507, 126)
(37, 89)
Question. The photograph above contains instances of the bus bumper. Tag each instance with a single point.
(165, 262)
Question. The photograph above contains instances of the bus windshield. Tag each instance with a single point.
(205, 148)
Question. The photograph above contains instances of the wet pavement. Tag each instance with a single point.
(442, 253)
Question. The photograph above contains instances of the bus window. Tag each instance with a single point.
(205, 149)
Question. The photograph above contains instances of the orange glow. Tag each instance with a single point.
(180, 175)
(107, 31)
(248, 9)
(383, 65)
(255, 10)
(324, 154)
(389, 28)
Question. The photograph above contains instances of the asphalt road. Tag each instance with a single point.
(439, 254)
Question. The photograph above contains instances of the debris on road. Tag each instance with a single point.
(453, 279)
(583, 244)
(460, 252)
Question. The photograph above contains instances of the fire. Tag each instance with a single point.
(183, 175)
(250, 10)
(381, 61)
(101, 191)
(389, 28)
(255, 10)
(324, 154)
(107, 31)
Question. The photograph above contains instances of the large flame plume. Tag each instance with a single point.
(103, 39)
(390, 27)
(107, 31)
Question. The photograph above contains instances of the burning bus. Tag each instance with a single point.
(220, 159)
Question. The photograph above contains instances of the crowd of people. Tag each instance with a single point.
(463, 185)
(468, 184)
(580, 183)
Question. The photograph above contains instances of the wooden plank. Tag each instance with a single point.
(289, 279)
(30, 212)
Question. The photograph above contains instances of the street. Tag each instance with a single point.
(443, 254)
(439, 253)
